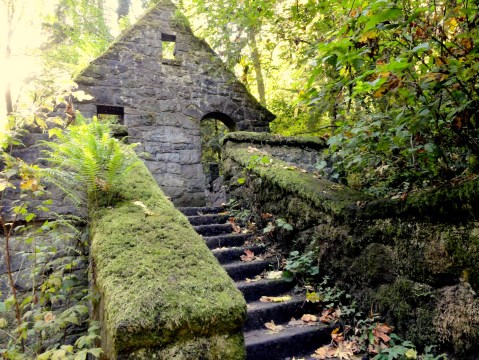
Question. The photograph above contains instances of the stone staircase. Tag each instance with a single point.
(294, 340)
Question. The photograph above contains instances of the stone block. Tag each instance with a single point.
(193, 171)
(155, 167)
(189, 157)
(168, 157)
(173, 168)
(170, 180)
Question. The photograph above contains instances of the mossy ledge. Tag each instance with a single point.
(159, 285)
(335, 199)
(311, 142)
(449, 203)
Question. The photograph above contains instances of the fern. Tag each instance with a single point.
(87, 163)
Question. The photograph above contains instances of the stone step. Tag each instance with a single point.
(214, 229)
(219, 241)
(253, 290)
(280, 312)
(193, 211)
(231, 254)
(292, 341)
(240, 270)
(208, 219)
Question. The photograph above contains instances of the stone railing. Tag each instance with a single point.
(416, 261)
(162, 293)
(300, 151)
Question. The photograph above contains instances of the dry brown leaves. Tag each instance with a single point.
(256, 278)
(308, 318)
(329, 315)
(381, 338)
(273, 328)
(248, 257)
(275, 298)
(235, 227)
(339, 348)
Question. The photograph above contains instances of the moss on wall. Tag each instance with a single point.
(159, 283)
(217, 347)
(311, 142)
(396, 257)
(329, 197)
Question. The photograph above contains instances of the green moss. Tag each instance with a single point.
(411, 307)
(374, 266)
(118, 130)
(159, 282)
(219, 347)
(326, 196)
(312, 142)
(449, 203)
(462, 246)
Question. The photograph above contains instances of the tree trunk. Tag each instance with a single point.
(123, 8)
(257, 66)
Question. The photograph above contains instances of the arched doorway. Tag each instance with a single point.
(214, 126)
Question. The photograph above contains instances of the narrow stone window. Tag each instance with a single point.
(168, 43)
(115, 114)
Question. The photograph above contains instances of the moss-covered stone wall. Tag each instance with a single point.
(414, 261)
(304, 152)
(162, 293)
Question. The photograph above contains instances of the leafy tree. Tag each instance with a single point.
(78, 33)
(405, 89)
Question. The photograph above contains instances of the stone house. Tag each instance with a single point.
(161, 81)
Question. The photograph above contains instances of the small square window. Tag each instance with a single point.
(114, 114)
(168, 43)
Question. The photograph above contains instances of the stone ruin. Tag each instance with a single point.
(161, 81)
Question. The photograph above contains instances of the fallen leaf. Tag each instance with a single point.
(324, 352)
(235, 227)
(251, 149)
(248, 257)
(309, 318)
(147, 211)
(337, 338)
(380, 333)
(294, 322)
(274, 275)
(313, 297)
(256, 278)
(411, 354)
(327, 315)
(275, 298)
(266, 215)
(344, 352)
(273, 327)
(49, 317)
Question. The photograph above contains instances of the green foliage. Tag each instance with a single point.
(87, 162)
(52, 300)
(77, 32)
(237, 211)
(300, 265)
(277, 224)
(397, 80)
(212, 133)
(403, 350)
(393, 83)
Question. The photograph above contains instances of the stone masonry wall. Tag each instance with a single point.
(414, 261)
(164, 100)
